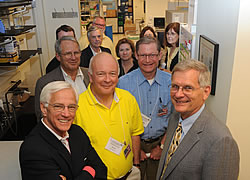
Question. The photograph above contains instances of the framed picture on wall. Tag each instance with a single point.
(208, 54)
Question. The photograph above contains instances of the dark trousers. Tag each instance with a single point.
(149, 167)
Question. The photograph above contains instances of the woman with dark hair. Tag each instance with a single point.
(147, 31)
(171, 37)
(125, 50)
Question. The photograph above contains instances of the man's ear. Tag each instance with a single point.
(90, 77)
(207, 91)
(58, 57)
(136, 55)
(43, 109)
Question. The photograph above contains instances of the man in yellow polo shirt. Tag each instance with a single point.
(111, 118)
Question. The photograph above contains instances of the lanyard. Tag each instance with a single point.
(105, 125)
(146, 103)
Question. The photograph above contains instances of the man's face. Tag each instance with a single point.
(64, 33)
(70, 56)
(95, 38)
(100, 23)
(148, 59)
(189, 103)
(59, 122)
(104, 76)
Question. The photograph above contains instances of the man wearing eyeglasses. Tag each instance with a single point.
(150, 86)
(68, 54)
(56, 149)
(100, 23)
(205, 148)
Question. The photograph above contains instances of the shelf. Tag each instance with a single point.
(16, 32)
(25, 55)
(14, 3)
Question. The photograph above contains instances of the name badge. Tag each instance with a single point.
(114, 146)
(145, 119)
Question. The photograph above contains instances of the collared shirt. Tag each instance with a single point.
(95, 53)
(121, 121)
(150, 98)
(106, 42)
(78, 84)
(60, 138)
(188, 123)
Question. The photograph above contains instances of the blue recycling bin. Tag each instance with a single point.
(109, 31)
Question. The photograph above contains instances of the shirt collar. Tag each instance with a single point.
(141, 77)
(93, 100)
(95, 53)
(187, 123)
(79, 73)
(57, 136)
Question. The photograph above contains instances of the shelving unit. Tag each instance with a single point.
(89, 9)
(125, 11)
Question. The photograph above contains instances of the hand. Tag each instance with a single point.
(156, 153)
(63, 178)
(143, 156)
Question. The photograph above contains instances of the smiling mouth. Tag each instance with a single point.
(63, 121)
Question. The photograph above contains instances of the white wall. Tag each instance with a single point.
(155, 8)
(238, 108)
(218, 20)
(46, 25)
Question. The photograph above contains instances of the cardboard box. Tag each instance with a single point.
(129, 27)
(111, 13)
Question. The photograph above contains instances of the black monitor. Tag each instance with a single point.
(159, 22)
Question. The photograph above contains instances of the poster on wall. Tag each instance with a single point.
(185, 46)
(208, 54)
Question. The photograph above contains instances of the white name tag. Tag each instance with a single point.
(114, 146)
(145, 119)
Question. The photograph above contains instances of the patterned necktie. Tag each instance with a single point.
(175, 143)
(66, 143)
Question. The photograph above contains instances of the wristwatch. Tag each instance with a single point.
(161, 145)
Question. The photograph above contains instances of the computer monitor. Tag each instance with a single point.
(159, 22)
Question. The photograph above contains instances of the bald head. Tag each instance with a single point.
(103, 75)
(100, 57)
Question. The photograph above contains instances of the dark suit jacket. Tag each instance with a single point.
(55, 75)
(53, 64)
(208, 151)
(43, 156)
(87, 55)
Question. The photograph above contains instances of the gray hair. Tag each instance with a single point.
(204, 76)
(99, 17)
(58, 48)
(90, 70)
(54, 87)
(91, 29)
(148, 40)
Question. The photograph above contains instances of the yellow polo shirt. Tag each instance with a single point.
(121, 121)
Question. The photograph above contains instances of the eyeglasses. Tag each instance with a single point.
(68, 55)
(61, 107)
(150, 56)
(174, 88)
(102, 25)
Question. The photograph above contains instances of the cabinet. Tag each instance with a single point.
(7, 9)
(19, 70)
(89, 9)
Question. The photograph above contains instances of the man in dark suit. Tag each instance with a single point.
(63, 30)
(204, 146)
(95, 37)
(56, 149)
(68, 54)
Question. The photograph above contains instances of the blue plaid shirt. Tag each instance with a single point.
(150, 99)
